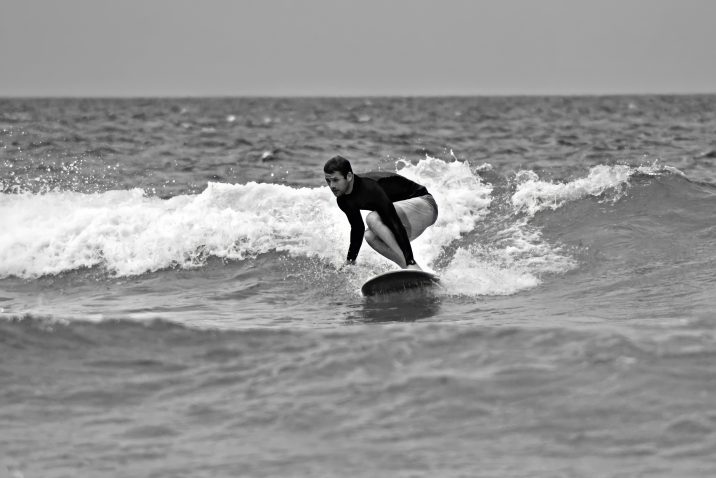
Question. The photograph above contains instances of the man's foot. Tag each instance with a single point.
(414, 267)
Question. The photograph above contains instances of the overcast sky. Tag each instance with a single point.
(355, 47)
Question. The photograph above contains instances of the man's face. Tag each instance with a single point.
(339, 184)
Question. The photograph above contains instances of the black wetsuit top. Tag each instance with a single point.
(377, 191)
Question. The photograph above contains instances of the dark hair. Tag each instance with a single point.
(338, 164)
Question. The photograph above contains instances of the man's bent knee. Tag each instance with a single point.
(369, 236)
(373, 219)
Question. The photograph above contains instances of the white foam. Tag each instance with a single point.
(515, 259)
(129, 233)
(533, 195)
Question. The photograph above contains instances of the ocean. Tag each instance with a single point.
(171, 303)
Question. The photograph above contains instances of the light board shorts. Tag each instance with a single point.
(417, 214)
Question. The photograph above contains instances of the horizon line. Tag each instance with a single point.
(352, 95)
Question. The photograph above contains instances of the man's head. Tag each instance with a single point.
(339, 175)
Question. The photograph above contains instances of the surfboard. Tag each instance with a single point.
(397, 281)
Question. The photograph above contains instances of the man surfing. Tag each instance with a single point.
(401, 210)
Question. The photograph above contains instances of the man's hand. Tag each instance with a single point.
(347, 263)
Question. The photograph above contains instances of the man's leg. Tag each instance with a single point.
(383, 249)
(381, 238)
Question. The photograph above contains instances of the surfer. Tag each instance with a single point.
(401, 210)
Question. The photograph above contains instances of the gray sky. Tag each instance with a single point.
(355, 47)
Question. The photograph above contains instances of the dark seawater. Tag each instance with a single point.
(171, 304)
